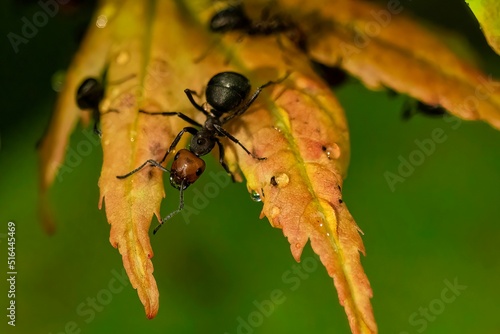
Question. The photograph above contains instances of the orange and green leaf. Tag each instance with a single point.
(487, 13)
(384, 47)
(297, 124)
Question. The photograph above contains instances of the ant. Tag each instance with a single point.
(234, 18)
(410, 108)
(226, 93)
(90, 94)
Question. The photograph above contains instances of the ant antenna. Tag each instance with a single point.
(207, 51)
(181, 206)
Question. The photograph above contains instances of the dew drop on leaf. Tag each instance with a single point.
(282, 180)
(332, 151)
(57, 80)
(101, 21)
(122, 58)
(255, 196)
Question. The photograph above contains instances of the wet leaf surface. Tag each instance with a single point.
(487, 13)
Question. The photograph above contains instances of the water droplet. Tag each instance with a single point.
(282, 180)
(332, 151)
(132, 139)
(275, 211)
(277, 128)
(327, 234)
(297, 245)
(255, 196)
(101, 21)
(321, 225)
(122, 58)
(57, 80)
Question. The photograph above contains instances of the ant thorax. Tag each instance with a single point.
(207, 108)
(210, 122)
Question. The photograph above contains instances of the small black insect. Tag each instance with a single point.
(234, 18)
(90, 94)
(412, 108)
(333, 75)
(226, 93)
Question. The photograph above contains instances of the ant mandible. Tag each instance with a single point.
(226, 93)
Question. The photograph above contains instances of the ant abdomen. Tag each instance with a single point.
(89, 94)
(226, 91)
(229, 19)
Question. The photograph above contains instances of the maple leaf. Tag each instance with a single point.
(487, 13)
(152, 51)
(385, 48)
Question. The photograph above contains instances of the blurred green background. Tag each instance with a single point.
(440, 225)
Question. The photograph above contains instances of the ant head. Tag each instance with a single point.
(89, 94)
(186, 169)
(226, 91)
(229, 19)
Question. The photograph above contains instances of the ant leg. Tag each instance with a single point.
(158, 164)
(97, 117)
(189, 94)
(224, 133)
(409, 109)
(150, 161)
(252, 99)
(221, 158)
(173, 113)
(190, 130)
(181, 206)
(97, 131)
(206, 52)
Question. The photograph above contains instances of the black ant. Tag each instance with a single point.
(226, 93)
(234, 18)
(411, 108)
(90, 94)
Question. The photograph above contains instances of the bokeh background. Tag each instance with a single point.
(441, 224)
